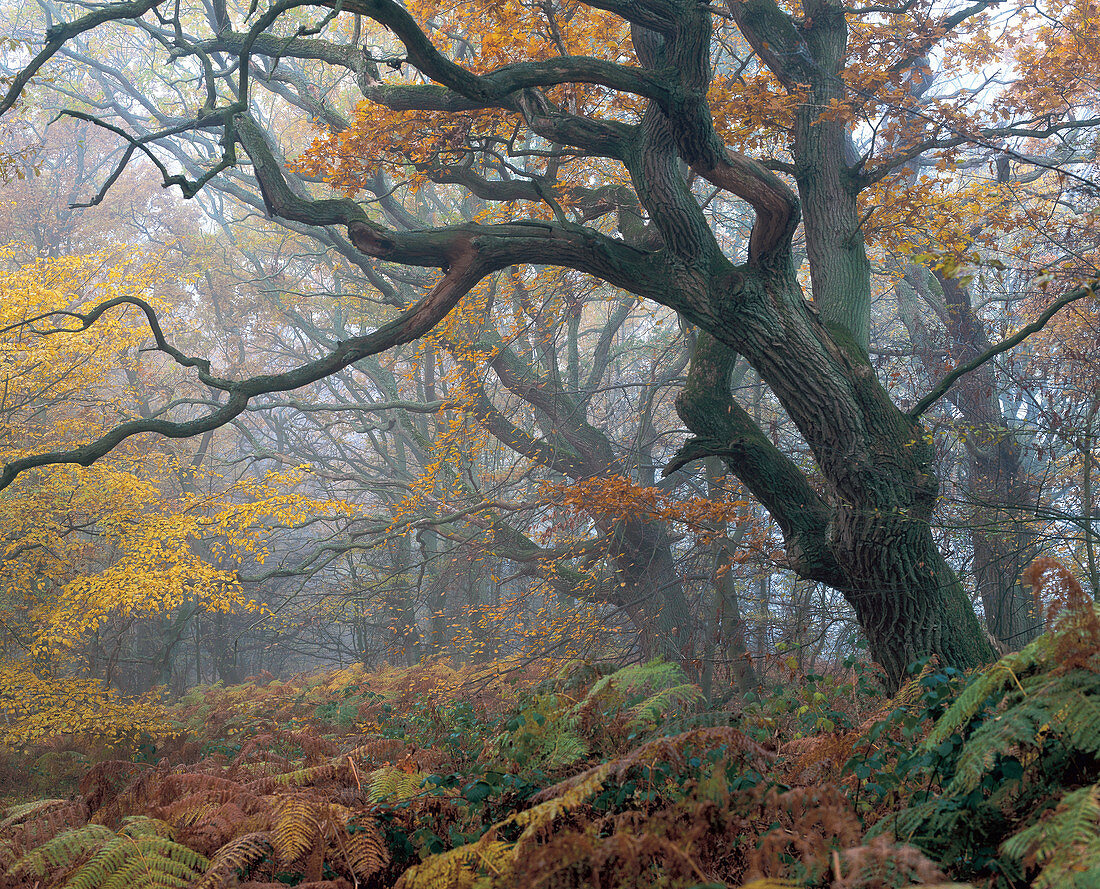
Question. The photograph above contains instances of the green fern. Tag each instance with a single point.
(144, 826)
(139, 855)
(994, 680)
(654, 675)
(543, 734)
(1066, 846)
(62, 851)
(648, 713)
(394, 785)
(1024, 732)
(647, 691)
(143, 860)
(1067, 705)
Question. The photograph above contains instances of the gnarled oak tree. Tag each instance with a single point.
(601, 134)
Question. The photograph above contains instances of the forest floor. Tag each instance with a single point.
(539, 774)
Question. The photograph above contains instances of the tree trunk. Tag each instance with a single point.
(1002, 497)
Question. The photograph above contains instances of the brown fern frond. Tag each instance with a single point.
(539, 818)
(179, 784)
(819, 758)
(219, 827)
(236, 859)
(1068, 611)
(29, 811)
(677, 749)
(380, 751)
(329, 771)
(311, 747)
(809, 823)
(883, 864)
(36, 823)
(196, 807)
(261, 764)
(105, 781)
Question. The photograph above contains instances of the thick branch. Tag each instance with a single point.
(407, 327)
(724, 429)
(60, 34)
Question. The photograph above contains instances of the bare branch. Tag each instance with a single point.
(1022, 334)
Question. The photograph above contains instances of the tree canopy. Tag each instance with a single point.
(765, 171)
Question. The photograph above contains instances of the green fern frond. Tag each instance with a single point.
(143, 860)
(152, 870)
(393, 784)
(646, 714)
(1078, 713)
(143, 825)
(546, 735)
(561, 749)
(656, 674)
(63, 850)
(1066, 704)
(1017, 725)
(1065, 846)
(992, 680)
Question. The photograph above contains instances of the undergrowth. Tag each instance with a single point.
(577, 775)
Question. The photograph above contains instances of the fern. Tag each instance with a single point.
(1067, 705)
(1024, 732)
(63, 850)
(298, 778)
(646, 714)
(993, 680)
(143, 826)
(1065, 847)
(364, 846)
(298, 826)
(235, 859)
(458, 868)
(656, 674)
(26, 811)
(540, 816)
(394, 785)
(141, 859)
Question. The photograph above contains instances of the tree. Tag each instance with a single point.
(604, 137)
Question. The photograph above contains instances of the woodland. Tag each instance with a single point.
(545, 443)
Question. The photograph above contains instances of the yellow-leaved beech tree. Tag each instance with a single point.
(88, 553)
